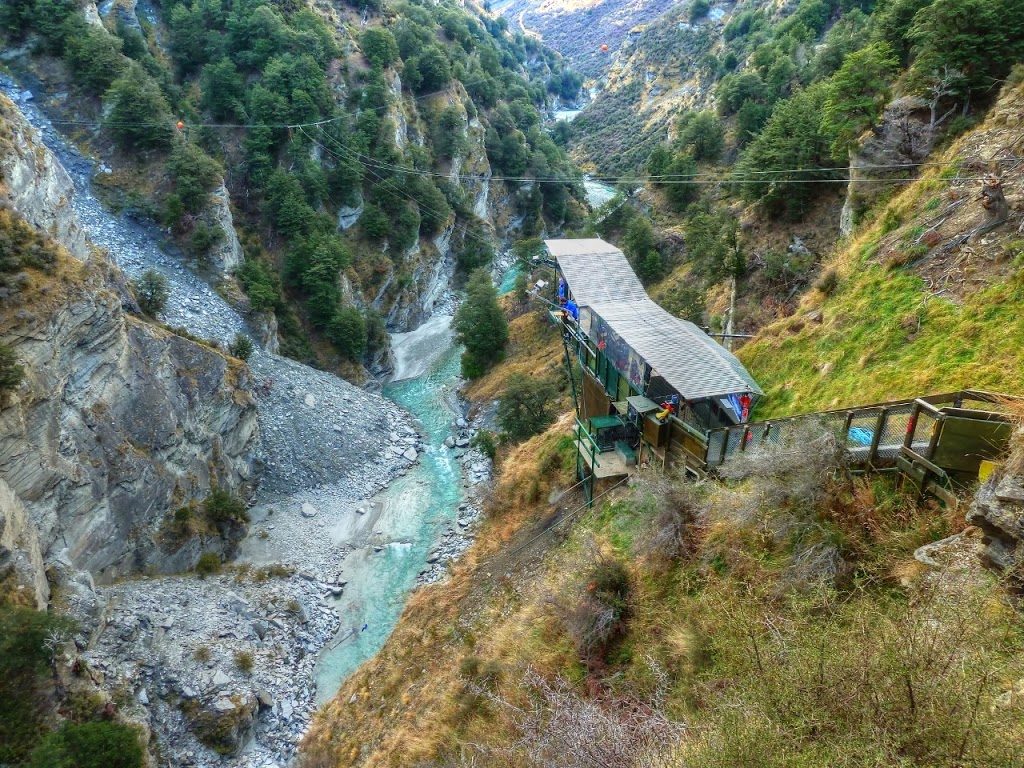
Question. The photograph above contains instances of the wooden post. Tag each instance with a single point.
(908, 439)
(877, 436)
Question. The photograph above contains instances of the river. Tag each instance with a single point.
(411, 512)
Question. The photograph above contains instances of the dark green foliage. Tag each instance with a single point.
(476, 250)
(712, 247)
(775, 167)
(347, 331)
(857, 94)
(374, 222)
(526, 407)
(139, 116)
(379, 47)
(151, 291)
(484, 442)
(223, 90)
(686, 301)
(261, 284)
(204, 236)
(241, 347)
(223, 508)
(480, 325)
(750, 120)
(194, 175)
(428, 70)
(734, 90)
(24, 666)
(641, 249)
(449, 133)
(702, 134)
(699, 9)
(674, 173)
(93, 54)
(980, 38)
(11, 372)
(90, 745)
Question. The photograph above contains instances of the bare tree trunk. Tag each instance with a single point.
(993, 200)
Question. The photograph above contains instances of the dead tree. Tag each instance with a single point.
(993, 200)
(941, 85)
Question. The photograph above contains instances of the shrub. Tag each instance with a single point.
(93, 54)
(90, 745)
(379, 47)
(11, 371)
(679, 509)
(222, 507)
(25, 656)
(347, 331)
(484, 442)
(152, 291)
(526, 407)
(699, 9)
(202, 653)
(241, 347)
(703, 134)
(828, 282)
(195, 174)
(598, 616)
(208, 564)
(244, 662)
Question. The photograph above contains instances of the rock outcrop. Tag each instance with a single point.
(22, 573)
(998, 509)
(900, 140)
(226, 255)
(35, 184)
(117, 420)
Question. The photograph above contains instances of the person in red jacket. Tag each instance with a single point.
(745, 405)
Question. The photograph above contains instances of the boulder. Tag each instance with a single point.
(998, 509)
(224, 723)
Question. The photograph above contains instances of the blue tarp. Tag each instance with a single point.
(861, 436)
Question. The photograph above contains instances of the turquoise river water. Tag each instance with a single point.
(414, 509)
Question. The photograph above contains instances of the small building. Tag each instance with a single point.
(652, 384)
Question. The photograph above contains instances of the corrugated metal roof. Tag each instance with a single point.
(596, 271)
(692, 362)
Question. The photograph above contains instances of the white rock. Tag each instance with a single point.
(308, 510)
(410, 454)
(221, 679)
(310, 400)
(223, 704)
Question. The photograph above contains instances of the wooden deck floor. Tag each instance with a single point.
(609, 463)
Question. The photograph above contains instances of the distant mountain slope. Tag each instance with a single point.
(578, 28)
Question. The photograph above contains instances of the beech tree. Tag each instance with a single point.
(480, 326)
(857, 94)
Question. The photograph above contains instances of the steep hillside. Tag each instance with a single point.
(789, 614)
(926, 297)
(588, 33)
(352, 147)
(117, 419)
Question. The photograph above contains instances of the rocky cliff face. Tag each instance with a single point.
(998, 509)
(36, 185)
(901, 139)
(117, 420)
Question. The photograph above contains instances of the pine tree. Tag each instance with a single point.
(480, 325)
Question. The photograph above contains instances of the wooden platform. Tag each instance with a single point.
(608, 464)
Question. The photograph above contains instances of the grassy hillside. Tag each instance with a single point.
(915, 303)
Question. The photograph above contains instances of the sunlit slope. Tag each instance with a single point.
(922, 299)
